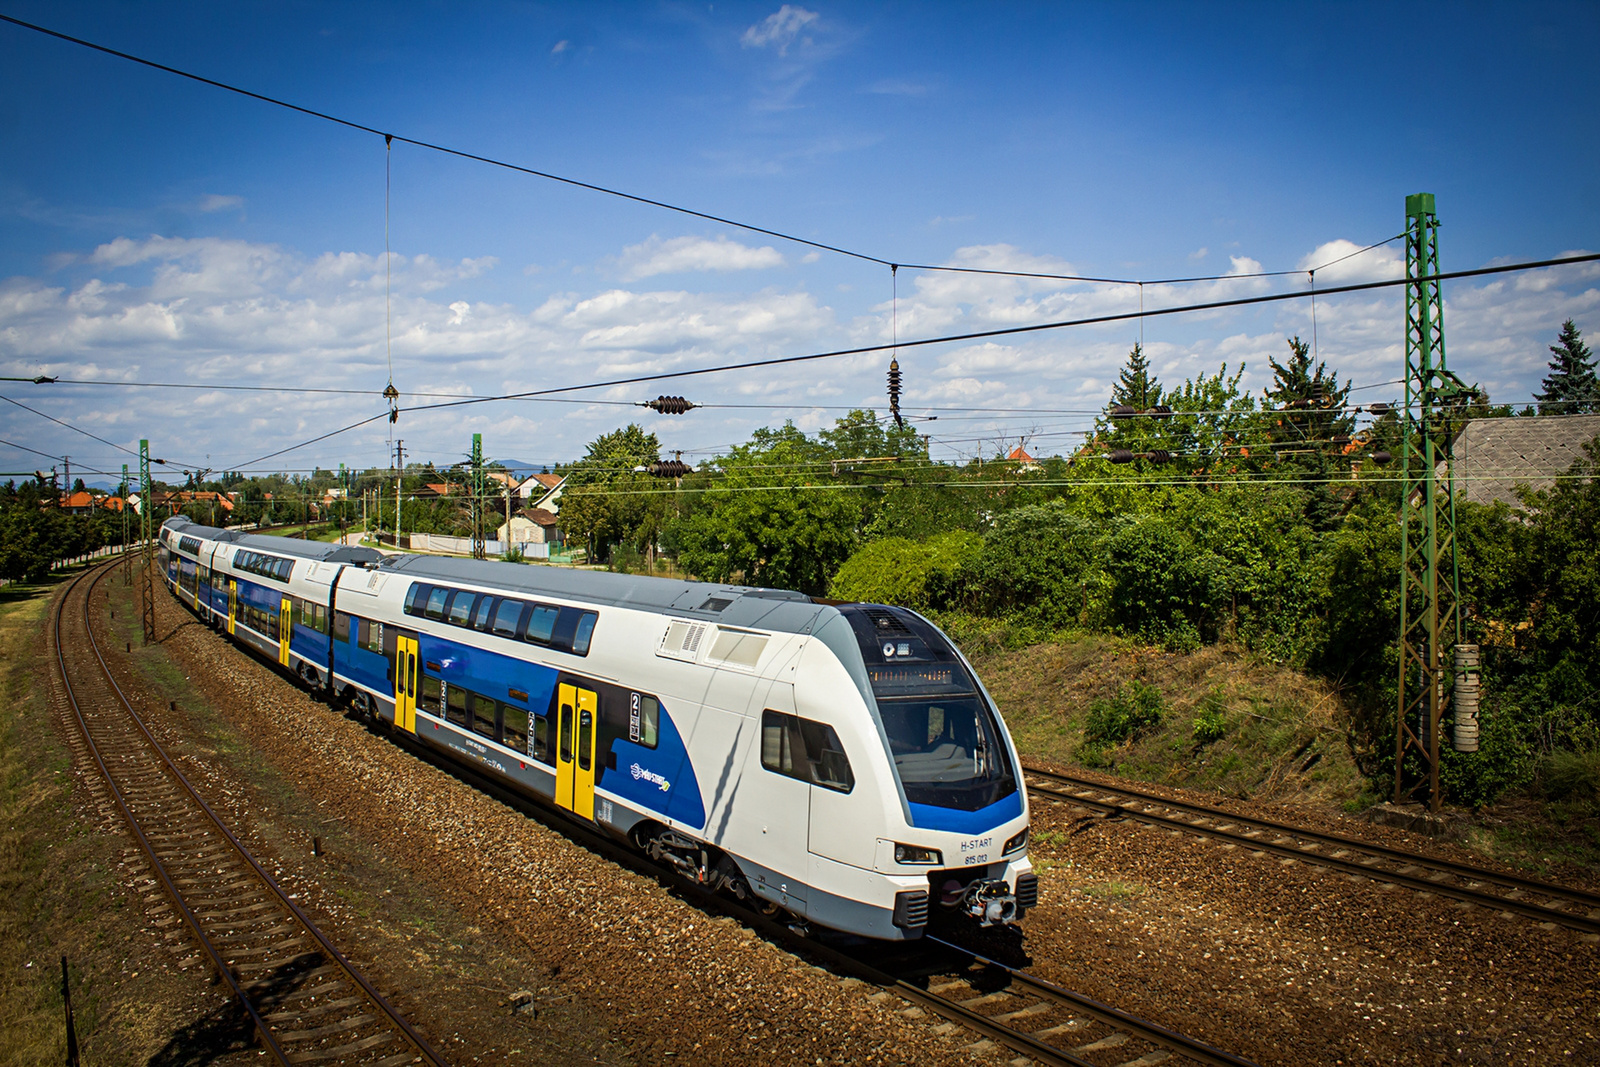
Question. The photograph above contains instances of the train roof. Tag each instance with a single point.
(320, 551)
(782, 610)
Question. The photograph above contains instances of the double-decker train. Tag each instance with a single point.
(840, 762)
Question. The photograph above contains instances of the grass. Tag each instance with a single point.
(1216, 719)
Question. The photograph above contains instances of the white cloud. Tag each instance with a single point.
(214, 202)
(1344, 262)
(779, 29)
(1199, 253)
(561, 46)
(691, 254)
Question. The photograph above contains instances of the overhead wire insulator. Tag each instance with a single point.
(670, 405)
(669, 468)
(894, 392)
(1381, 458)
(1123, 411)
(1160, 411)
(1159, 455)
(1340, 439)
(1120, 455)
(392, 395)
(1380, 409)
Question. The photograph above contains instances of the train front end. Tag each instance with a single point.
(962, 797)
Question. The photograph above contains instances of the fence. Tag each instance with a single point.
(462, 546)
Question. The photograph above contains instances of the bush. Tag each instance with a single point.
(910, 574)
(1211, 721)
(1567, 775)
(1136, 708)
(1041, 564)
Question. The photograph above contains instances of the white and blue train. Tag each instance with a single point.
(838, 762)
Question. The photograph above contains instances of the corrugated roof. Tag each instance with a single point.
(1493, 456)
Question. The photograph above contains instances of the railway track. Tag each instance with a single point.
(306, 1002)
(1004, 1005)
(1510, 894)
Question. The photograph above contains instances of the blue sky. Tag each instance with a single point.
(157, 230)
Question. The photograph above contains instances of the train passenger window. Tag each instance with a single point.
(436, 599)
(803, 749)
(460, 609)
(341, 626)
(416, 597)
(644, 719)
(585, 739)
(580, 639)
(541, 738)
(483, 716)
(455, 704)
(542, 623)
(432, 698)
(480, 618)
(514, 727)
(506, 617)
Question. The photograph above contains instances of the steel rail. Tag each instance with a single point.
(1071, 790)
(397, 1021)
(948, 1008)
(223, 970)
(1173, 1041)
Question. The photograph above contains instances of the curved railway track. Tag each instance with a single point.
(1542, 901)
(307, 1003)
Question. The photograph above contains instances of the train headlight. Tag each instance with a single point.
(1016, 844)
(917, 854)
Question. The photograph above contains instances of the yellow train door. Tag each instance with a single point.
(577, 724)
(405, 683)
(285, 627)
(233, 604)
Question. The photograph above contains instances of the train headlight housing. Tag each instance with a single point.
(1016, 844)
(917, 854)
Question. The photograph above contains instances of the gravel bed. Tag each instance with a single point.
(1290, 963)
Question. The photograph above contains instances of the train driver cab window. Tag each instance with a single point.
(436, 599)
(460, 610)
(506, 617)
(804, 749)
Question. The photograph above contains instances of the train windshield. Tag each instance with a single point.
(948, 747)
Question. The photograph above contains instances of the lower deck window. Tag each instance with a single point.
(432, 698)
(456, 705)
(514, 727)
(541, 739)
(483, 716)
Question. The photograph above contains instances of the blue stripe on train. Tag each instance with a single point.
(928, 817)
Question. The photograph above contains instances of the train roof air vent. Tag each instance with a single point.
(682, 640)
(716, 603)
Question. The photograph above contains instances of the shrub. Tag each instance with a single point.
(1136, 707)
(911, 574)
(1211, 720)
(1567, 775)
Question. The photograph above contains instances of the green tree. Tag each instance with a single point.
(609, 501)
(1571, 387)
(1136, 386)
(774, 515)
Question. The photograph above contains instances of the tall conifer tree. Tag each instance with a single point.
(1571, 387)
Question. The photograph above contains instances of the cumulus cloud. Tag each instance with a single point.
(691, 254)
(779, 29)
(1344, 262)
